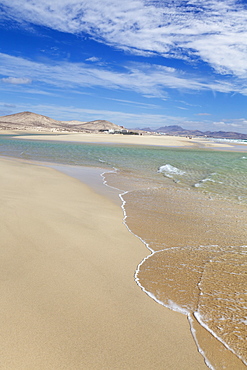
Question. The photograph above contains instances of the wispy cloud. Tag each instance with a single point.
(136, 103)
(183, 108)
(74, 113)
(7, 105)
(213, 31)
(148, 80)
(231, 125)
(16, 80)
(188, 104)
(93, 59)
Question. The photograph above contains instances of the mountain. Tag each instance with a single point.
(173, 128)
(37, 122)
(101, 125)
(226, 135)
(29, 119)
(179, 131)
(73, 122)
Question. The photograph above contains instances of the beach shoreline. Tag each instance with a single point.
(70, 300)
(142, 140)
(94, 178)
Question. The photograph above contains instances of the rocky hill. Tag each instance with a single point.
(37, 122)
(100, 125)
(28, 121)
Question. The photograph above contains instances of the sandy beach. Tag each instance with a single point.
(156, 140)
(123, 185)
(69, 300)
(68, 263)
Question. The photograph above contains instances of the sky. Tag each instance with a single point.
(136, 63)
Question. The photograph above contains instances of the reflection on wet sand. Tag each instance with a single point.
(198, 262)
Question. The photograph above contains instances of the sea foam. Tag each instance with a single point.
(169, 170)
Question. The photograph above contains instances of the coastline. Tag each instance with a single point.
(152, 140)
(70, 300)
(203, 337)
(175, 261)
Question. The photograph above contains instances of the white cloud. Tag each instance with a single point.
(136, 103)
(211, 30)
(93, 59)
(183, 108)
(220, 123)
(17, 80)
(148, 80)
(7, 105)
(233, 125)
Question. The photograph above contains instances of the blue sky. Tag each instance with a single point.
(136, 63)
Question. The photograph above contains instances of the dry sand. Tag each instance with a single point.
(68, 296)
(161, 140)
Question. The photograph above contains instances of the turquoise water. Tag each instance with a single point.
(165, 201)
(219, 173)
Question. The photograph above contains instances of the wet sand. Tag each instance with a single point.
(68, 296)
(197, 264)
(133, 347)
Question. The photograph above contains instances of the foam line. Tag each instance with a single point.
(199, 319)
(173, 306)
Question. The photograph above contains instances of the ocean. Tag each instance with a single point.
(189, 207)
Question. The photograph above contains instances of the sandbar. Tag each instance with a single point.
(149, 139)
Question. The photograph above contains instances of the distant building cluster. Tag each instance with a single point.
(120, 131)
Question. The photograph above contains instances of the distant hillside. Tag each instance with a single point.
(179, 131)
(101, 125)
(36, 122)
(28, 121)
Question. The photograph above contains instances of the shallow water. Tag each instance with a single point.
(223, 174)
(198, 261)
(189, 206)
